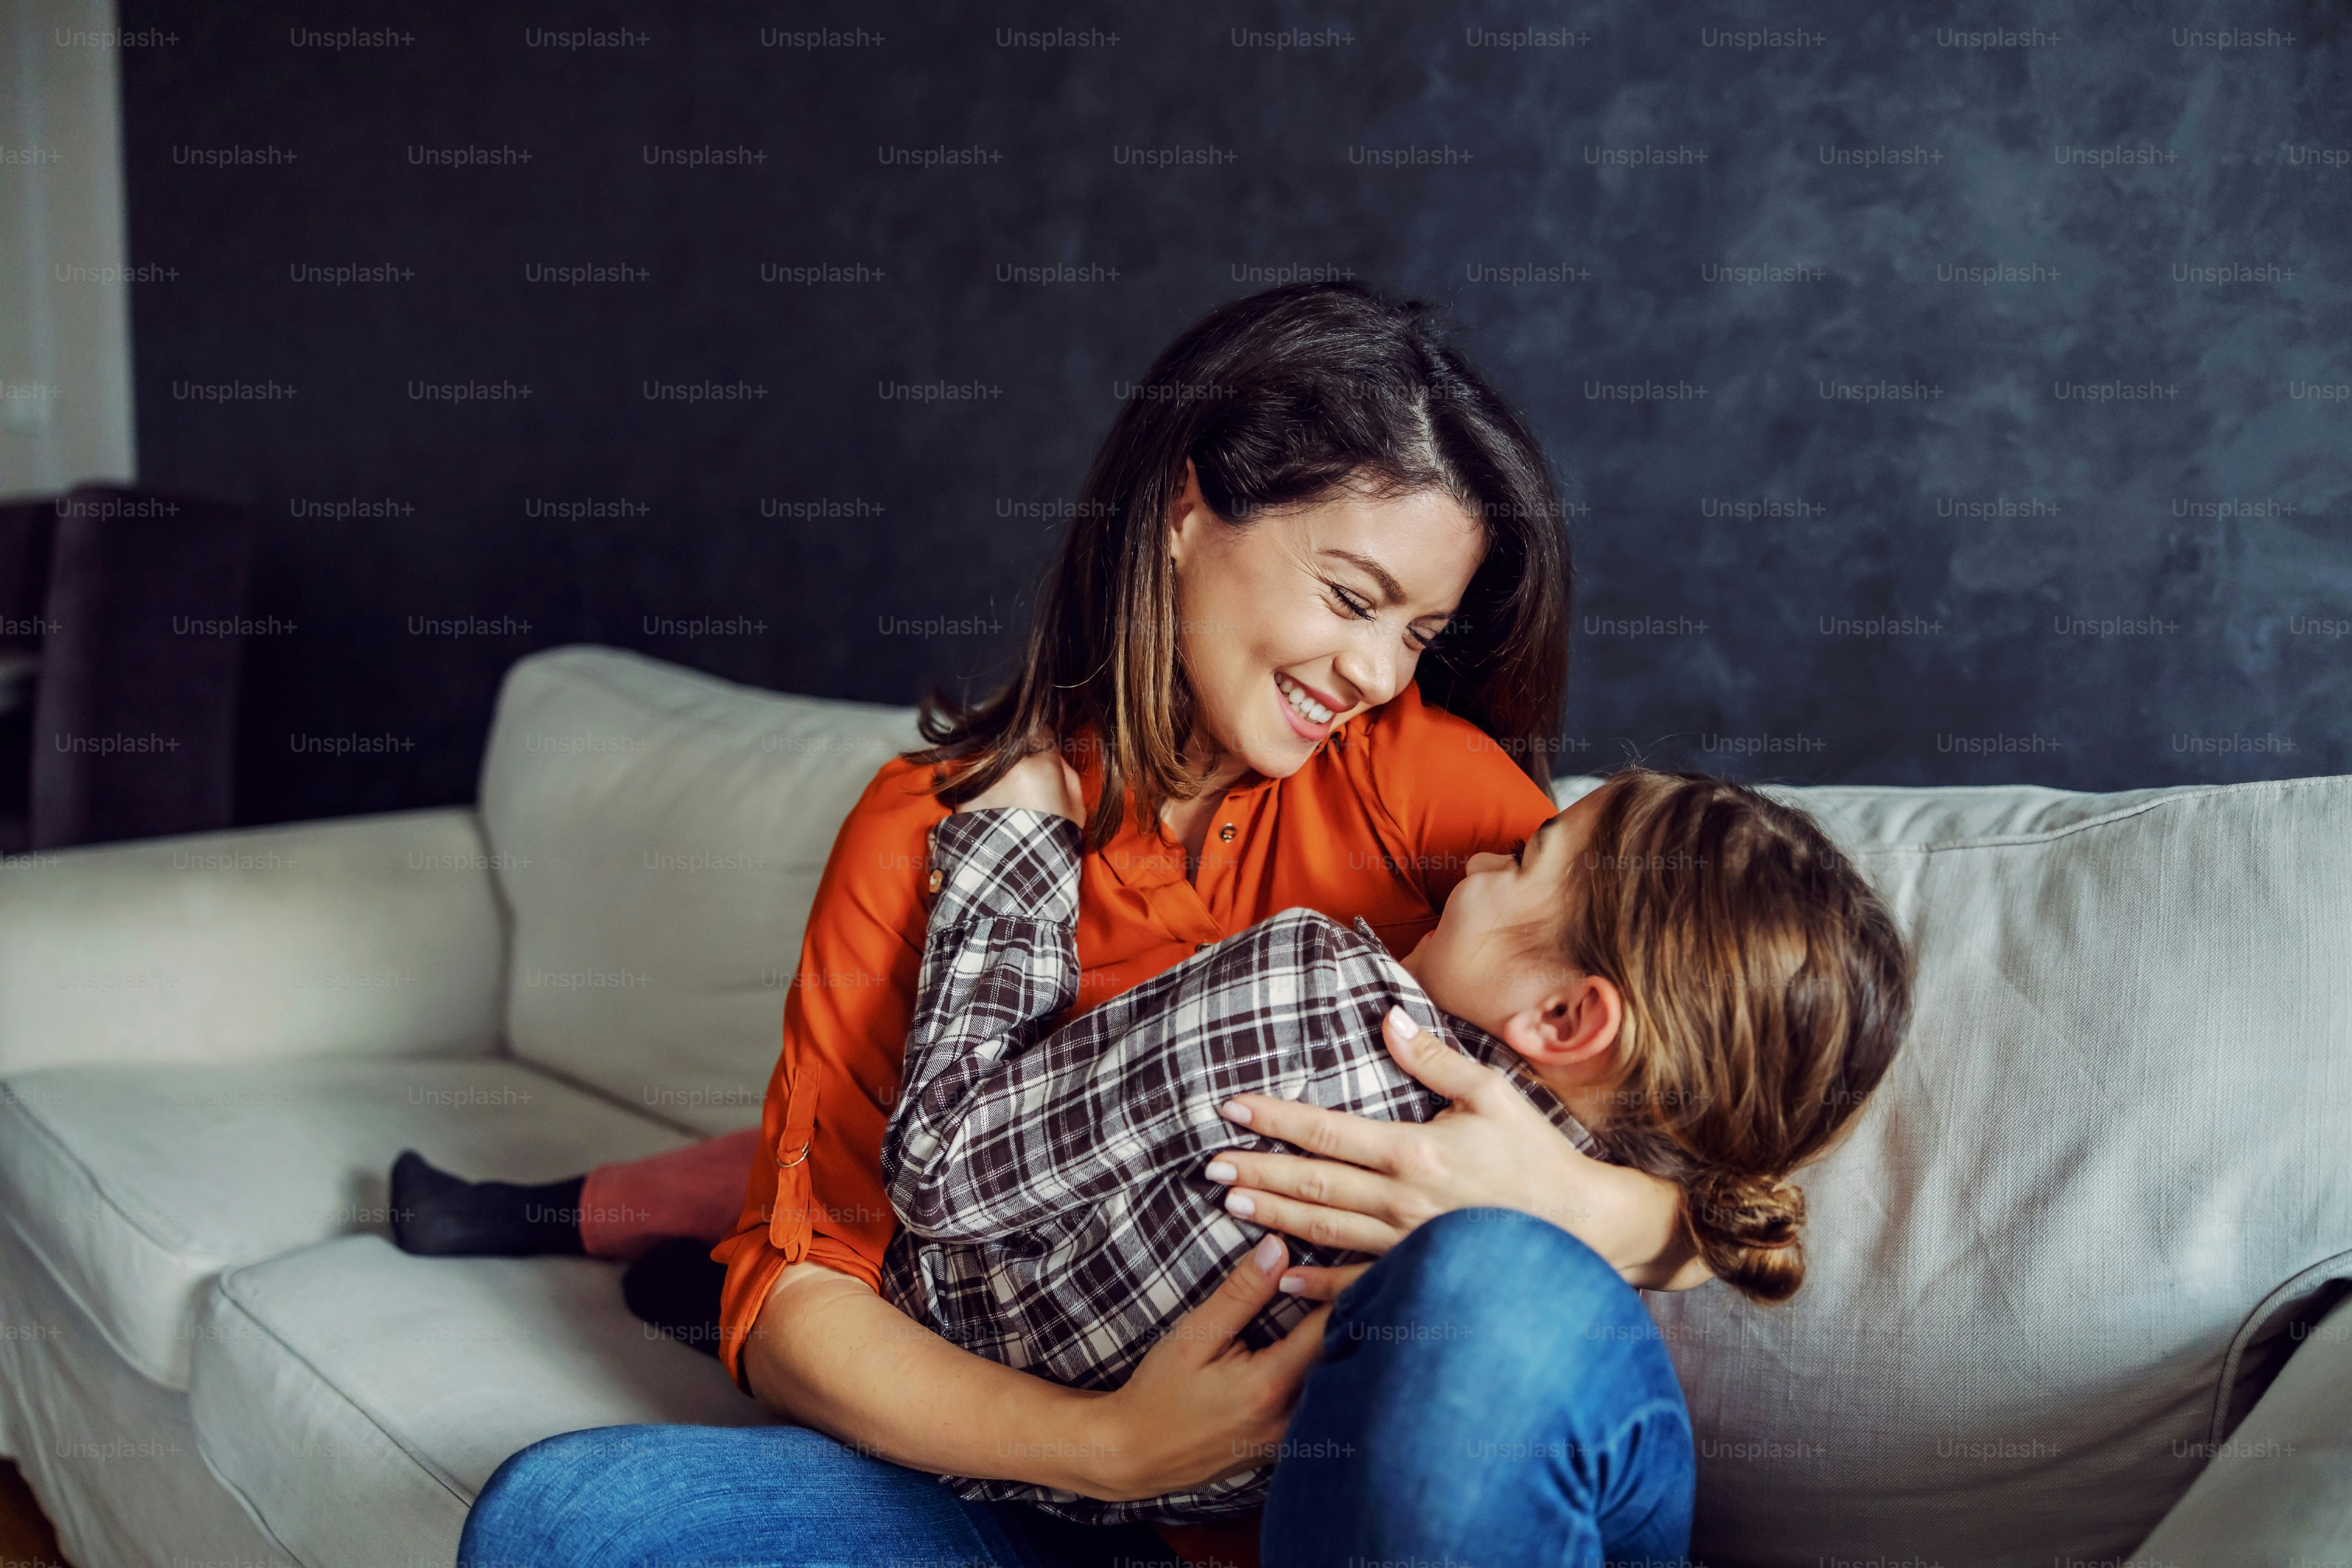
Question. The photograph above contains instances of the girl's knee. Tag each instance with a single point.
(1477, 1255)
(1471, 1295)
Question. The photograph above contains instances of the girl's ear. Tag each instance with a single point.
(1574, 1026)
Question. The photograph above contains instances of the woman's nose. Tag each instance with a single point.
(1373, 672)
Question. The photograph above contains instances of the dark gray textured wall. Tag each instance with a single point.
(1847, 505)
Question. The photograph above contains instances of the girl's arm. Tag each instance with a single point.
(1001, 958)
(1005, 1133)
(999, 1127)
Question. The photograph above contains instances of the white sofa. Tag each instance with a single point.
(2058, 1268)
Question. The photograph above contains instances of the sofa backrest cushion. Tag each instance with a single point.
(360, 936)
(658, 835)
(2070, 1235)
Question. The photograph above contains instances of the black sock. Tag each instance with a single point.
(675, 1286)
(441, 1216)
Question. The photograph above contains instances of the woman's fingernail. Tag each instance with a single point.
(1403, 1022)
(1235, 1111)
(1241, 1206)
(1292, 1284)
(1221, 1172)
(1268, 1256)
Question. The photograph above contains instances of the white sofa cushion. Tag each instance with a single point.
(357, 1398)
(366, 936)
(2111, 1155)
(660, 835)
(136, 1183)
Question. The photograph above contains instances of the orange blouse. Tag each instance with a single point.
(1377, 825)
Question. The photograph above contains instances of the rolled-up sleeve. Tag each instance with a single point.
(815, 1192)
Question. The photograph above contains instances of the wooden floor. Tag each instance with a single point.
(26, 1538)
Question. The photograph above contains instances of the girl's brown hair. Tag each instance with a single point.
(1765, 989)
(1279, 400)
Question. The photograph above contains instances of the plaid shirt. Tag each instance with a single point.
(1047, 1182)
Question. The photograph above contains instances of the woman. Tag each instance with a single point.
(1305, 646)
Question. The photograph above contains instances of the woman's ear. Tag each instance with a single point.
(1572, 1029)
(1187, 516)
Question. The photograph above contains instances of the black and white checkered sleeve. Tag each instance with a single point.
(1126, 1095)
(1001, 959)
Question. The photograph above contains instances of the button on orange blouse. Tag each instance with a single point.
(1377, 825)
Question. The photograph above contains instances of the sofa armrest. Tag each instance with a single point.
(2280, 1489)
(371, 936)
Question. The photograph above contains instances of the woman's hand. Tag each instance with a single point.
(1201, 1404)
(1371, 1183)
(1041, 781)
(829, 1354)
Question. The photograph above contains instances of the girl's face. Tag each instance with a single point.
(1477, 964)
(1296, 623)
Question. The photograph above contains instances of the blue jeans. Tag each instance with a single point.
(1490, 1393)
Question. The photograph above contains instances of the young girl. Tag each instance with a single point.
(1675, 969)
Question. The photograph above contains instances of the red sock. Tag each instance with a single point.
(696, 1190)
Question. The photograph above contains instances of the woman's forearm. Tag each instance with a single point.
(829, 1354)
(1644, 1238)
(1364, 1185)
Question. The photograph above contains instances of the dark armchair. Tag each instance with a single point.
(120, 647)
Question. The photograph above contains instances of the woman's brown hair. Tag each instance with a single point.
(1279, 400)
(1765, 988)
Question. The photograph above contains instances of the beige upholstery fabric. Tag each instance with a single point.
(374, 936)
(136, 1184)
(2116, 1148)
(357, 1398)
(659, 835)
(112, 1456)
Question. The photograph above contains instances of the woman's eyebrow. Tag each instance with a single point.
(1391, 591)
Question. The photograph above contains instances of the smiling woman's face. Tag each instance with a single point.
(1300, 621)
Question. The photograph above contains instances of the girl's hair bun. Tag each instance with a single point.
(1748, 1228)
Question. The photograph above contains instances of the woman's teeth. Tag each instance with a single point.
(1306, 707)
